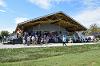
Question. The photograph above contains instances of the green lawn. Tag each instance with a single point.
(87, 55)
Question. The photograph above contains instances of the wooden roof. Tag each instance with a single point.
(59, 18)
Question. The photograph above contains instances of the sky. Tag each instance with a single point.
(12, 12)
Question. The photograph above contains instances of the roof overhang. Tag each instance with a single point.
(59, 18)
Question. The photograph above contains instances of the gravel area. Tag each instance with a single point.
(2, 46)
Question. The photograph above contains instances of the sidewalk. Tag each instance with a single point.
(44, 45)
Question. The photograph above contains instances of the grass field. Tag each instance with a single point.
(86, 55)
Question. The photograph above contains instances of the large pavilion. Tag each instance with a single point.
(56, 22)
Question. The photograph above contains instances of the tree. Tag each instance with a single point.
(93, 30)
(4, 33)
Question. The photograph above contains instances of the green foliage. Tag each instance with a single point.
(4, 33)
(93, 29)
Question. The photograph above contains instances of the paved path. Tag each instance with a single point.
(44, 45)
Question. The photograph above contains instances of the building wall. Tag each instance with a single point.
(48, 27)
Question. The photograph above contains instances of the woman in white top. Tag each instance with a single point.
(24, 40)
(33, 39)
(36, 39)
(28, 40)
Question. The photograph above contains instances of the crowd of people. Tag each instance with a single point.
(41, 38)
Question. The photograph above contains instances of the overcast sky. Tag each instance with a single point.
(12, 12)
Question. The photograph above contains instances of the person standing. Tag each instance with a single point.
(33, 39)
(36, 39)
(64, 38)
(28, 40)
(24, 40)
(42, 40)
(47, 39)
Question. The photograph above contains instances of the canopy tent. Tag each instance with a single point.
(59, 18)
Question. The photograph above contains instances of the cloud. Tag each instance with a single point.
(3, 11)
(90, 14)
(91, 3)
(7, 28)
(20, 19)
(88, 17)
(46, 4)
(2, 3)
